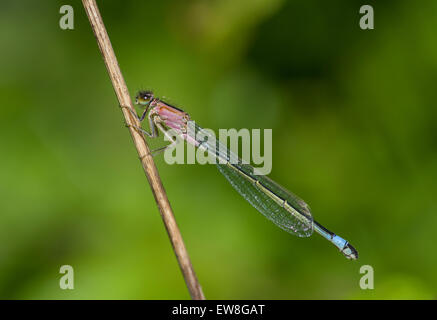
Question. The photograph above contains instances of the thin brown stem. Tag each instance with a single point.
(143, 150)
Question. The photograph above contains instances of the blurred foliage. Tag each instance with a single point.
(353, 115)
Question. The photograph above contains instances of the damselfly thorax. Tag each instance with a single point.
(161, 115)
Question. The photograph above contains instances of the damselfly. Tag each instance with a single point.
(277, 204)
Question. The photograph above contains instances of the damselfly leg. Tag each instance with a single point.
(153, 125)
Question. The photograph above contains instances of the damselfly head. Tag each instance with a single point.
(143, 97)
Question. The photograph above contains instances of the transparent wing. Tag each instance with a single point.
(277, 204)
(283, 208)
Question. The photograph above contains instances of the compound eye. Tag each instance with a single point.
(144, 97)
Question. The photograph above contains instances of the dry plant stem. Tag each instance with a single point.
(143, 149)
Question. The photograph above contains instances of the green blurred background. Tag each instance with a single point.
(353, 115)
